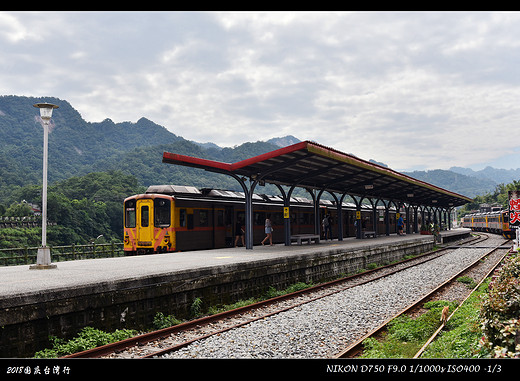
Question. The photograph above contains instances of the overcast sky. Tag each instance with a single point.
(413, 90)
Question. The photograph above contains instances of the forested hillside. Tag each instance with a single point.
(456, 182)
(77, 147)
(92, 168)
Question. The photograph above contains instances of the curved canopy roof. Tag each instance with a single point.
(311, 165)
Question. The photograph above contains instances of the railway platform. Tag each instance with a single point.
(127, 292)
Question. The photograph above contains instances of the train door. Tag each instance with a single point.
(144, 222)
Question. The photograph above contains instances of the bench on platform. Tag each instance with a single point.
(367, 234)
(308, 237)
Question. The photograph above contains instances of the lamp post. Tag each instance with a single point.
(43, 259)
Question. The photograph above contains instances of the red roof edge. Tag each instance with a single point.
(174, 158)
(269, 155)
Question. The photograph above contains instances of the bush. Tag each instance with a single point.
(273, 293)
(469, 282)
(15, 238)
(196, 307)
(500, 312)
(161, 321)
(87, 338)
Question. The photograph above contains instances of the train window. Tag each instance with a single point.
(228, 216)
(241, 216)
(161, 212)
(130, 214)
(277, 218)
(189, 221)
(258, 218)
(220, 218)
(145, 216)
(182, 218)
(203, 218)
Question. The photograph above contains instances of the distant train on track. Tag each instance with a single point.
(176, 218)
(496, 221)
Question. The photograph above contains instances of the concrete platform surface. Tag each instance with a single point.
(20, 280)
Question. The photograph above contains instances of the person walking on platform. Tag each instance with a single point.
(268, 232)
(326, 226)
(400, 225)
(239, 232)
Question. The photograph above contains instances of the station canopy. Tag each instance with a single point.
(311, 165)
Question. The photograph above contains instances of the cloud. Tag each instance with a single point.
(411, 89)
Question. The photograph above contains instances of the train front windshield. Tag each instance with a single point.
(162, 210)
(130, 215)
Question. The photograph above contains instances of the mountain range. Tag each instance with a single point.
(78, 147)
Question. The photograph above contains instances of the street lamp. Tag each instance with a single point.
(43, 259)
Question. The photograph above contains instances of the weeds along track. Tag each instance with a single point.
(292, 325)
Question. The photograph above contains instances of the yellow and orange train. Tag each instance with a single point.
(171, 218)
(491, 222)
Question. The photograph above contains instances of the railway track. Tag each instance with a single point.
(166, 341)
(479, 270)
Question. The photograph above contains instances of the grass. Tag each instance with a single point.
(406, 335)
(463, 333)
(459, 338)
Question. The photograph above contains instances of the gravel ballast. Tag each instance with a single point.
(322, 328)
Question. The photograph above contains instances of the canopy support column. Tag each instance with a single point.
(248, 200)
(287, 219)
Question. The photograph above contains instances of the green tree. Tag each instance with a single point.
(497, 196)
(19, 209)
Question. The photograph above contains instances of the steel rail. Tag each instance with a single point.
(357, 347)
